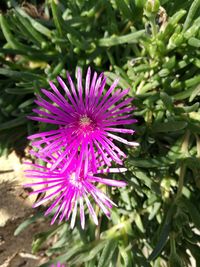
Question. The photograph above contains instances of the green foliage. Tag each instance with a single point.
(156, 54)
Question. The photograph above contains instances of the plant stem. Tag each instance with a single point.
(181, 181)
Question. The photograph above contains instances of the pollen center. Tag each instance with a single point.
(86, 125)
(85, 121)
(74, 180)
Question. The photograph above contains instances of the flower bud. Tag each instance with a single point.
(152, 6)
(140, 3)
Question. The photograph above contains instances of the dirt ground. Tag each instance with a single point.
(15, 207)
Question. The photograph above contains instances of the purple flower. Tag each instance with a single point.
(87, 119)
(72, 188)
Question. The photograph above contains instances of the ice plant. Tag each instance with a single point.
(88, 119)
(72, 188)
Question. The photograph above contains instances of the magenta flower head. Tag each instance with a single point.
(58, 265)
(71, 189)
(88, 119)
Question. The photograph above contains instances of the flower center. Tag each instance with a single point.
(86, 125)
(85, 121)
(74, 181)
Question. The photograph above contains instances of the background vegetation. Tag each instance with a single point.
(154, 48)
